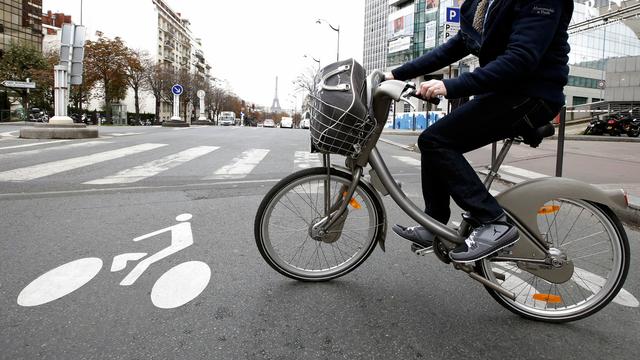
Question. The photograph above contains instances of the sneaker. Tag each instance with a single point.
(416, 234)
(486, 240)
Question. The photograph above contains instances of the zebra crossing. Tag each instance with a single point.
(149, 160)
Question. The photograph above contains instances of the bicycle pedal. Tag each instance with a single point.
(421, 251)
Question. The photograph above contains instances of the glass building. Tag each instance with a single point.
(20, 22)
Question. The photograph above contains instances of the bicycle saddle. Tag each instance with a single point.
(533, 137)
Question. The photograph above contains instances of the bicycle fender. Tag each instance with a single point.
(525, 199)
(381, 239)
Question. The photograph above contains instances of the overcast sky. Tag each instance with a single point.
(246, 42)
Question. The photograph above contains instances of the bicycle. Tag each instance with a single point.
(321, 223)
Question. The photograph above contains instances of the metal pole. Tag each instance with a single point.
(560, 151)
(176, 108)
(338, 50)
(394, 114)
(494, 151)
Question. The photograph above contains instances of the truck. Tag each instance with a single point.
(227, 118)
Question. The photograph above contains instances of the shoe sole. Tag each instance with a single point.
(487, 255)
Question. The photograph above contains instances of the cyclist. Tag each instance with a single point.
(523, 52)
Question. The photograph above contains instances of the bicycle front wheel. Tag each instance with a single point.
(593, 239)
(295, 204)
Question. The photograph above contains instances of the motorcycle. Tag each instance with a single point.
(595, 127)
(631, 126)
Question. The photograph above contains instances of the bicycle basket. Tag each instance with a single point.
(340, 123)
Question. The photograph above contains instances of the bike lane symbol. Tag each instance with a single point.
(176, 287)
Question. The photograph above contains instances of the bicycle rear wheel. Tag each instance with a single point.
(592, 237)
(296, 203)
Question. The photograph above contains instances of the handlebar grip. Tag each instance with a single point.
(434, 101)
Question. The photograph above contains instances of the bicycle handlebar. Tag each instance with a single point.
(434, 101)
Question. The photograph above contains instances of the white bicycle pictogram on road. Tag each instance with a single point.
(176, 287)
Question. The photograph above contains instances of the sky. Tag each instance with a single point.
(247, 42)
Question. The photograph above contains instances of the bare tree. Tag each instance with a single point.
(137, 75)
(159, 80)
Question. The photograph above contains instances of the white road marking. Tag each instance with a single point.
(592, 282)
(59, 282)
(33, 144)
(124, 134)
(56, 148)
(55, 167)
(154, 167)
(9, 134)
(241, 166)
(306, 160)
(526, 174)
(181, 284)
(408, 160)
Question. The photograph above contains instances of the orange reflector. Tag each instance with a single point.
(554, 299)
(550, 209)
(354, 203)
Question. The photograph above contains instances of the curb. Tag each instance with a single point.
(597, 138)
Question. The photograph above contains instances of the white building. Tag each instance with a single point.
(156, 29)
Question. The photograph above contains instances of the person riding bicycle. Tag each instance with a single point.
(522, 46)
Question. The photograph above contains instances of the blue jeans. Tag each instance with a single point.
(482, 121)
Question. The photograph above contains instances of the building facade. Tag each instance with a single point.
(20, 22)
(160, 32)
(416, 26)
(376, 13)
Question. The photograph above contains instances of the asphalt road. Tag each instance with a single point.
(394, 306)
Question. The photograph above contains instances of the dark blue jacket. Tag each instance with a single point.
(523, 50)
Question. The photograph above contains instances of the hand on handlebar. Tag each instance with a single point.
(431, 89)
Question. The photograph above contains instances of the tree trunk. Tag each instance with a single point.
(157, 108)
(137, 102)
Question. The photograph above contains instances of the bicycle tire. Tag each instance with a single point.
(278, 264)
(622, 271)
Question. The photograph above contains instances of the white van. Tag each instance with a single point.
(286, 122)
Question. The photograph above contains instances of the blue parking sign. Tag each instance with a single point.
(453, 15)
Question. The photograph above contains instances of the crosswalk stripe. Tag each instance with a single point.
(55, 167)
(306, 160)
(408, 160)
(240, 166)
(50, 149)
(154, 167)
(34, 144)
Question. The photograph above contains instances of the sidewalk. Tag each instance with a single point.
(607, 164)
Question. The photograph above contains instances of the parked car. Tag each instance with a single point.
(269, 123)
(305, 124)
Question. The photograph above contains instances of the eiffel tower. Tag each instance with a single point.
(275, 107)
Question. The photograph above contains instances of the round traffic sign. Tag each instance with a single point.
(177, 89)
(200, 94)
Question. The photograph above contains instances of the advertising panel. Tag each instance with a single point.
(401, 23)
(403, 43)
(430, 32)
(432, 6)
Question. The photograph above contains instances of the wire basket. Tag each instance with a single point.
(336, 131)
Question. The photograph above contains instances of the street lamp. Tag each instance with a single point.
(314, 59)
(337, 30)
